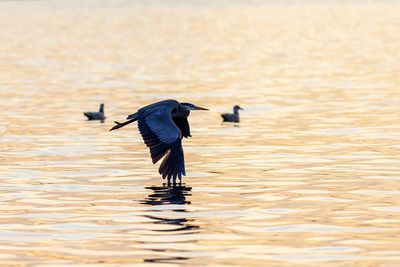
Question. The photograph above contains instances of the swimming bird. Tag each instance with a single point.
(162, 126)
(96, 115)
(232, 117)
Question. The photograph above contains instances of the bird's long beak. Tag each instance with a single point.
(199, 108)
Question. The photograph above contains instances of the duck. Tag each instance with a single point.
(96, 115)
(232, 117)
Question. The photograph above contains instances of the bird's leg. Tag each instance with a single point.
(117, 126)
(122, 124)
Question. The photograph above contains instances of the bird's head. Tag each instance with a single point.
(237, 108)
(190, 106)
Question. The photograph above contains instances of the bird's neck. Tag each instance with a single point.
(182, 113)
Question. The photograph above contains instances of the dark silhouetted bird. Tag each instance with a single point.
(232, 117)
(96, 115)
(162, 126)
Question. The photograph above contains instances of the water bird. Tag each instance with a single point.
(162, 126)
(96, 115)
(232, 117)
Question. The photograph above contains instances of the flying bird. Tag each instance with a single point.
(162, 126)
(232, 117)
(96, 115)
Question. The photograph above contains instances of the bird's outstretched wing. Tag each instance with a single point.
(173, 164)
(161, 135)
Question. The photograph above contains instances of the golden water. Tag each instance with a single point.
(311, 176)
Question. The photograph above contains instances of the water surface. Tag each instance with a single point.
(310, 176)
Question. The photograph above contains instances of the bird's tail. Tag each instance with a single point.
(173, 164)
(225, 117)
(122, 124)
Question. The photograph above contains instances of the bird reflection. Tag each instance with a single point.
(164, 195)
(167, 260)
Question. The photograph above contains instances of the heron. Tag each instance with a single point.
(232, 117)
(96, 115)
(162, 126)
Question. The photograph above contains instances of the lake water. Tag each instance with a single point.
(310, 176)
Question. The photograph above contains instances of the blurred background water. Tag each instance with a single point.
(310, 176)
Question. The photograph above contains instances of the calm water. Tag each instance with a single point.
(310, 176)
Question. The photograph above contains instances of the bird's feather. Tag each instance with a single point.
(133, 116)
(183, 125)
(165, 104)
(158, 130)
(157, 147)
(173, 164)
(94, 115)
(230, 117)
(161, 124)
